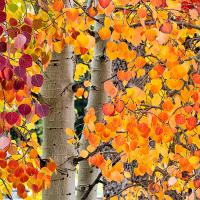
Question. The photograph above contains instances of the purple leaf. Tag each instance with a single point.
(20, 71)
(3, 47)
(12, 117)
(2, 62)
(24, 109)
(25, 61)
(42, 110)
(37, 80)
(19, 42)
(2, 16)
(4, 142)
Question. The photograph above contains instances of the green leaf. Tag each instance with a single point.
(13, 7)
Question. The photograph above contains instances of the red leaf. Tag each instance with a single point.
(3, 47)
(2, 4)
(104, 3)
(13, 32)
(186, 5)
(7, 73)
(1, 30)
(2, 16)
(25, 61)
(13, 21)
(24, 109)
(2, 62)
(12, 117)
(26, 28)
(19, 84)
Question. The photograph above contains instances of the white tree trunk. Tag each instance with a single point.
(59, 74)
(100, 71)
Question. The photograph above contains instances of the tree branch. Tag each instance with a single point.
(96, 181)
(98, 149)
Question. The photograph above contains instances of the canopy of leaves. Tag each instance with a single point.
(151, 122)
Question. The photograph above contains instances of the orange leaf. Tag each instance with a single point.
(156, 3)
(93, 140)
(51, 166)
(58, 5)
(180, 119)
(196, 78)
(139, 62)
(72, 14)
(104, 33)
(110, 88)
(96, 160)
(166, 28)
(142, 13)
(119, 106)
(108, 109)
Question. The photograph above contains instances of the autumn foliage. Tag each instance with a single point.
(151, 121)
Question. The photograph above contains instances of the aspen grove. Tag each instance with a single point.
(116, 85)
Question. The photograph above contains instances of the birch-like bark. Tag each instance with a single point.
(100, 71)
(58, 75)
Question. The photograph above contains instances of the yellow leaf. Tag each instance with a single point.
(84, 153)
(58, 46)
(69, 132)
